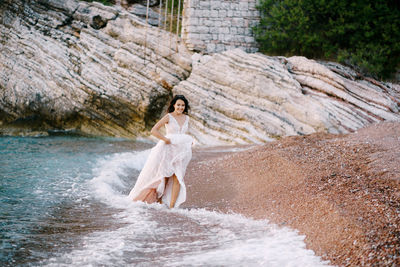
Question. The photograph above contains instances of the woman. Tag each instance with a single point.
(161, 178)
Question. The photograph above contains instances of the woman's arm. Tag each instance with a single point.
(156, 129)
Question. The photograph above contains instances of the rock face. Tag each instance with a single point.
(245, 98)
(84, 66)
(71, 65)
(153, 18)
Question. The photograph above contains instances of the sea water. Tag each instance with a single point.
(63, 202)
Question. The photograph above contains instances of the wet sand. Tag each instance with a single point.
(341, 191)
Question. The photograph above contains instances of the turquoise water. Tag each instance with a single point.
(63, 202)
(43, 193)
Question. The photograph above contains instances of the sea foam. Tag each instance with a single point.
(153, 235)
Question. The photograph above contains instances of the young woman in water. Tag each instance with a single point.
(161, 178)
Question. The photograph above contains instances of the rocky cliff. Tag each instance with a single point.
(73, 65)
(85, 67)
(245, 98)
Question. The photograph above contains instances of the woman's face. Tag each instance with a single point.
(179, 106)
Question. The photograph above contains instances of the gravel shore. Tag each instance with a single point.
(341, 191)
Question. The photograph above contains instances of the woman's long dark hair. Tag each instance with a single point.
(173, 101)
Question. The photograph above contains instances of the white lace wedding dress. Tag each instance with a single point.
(164, 161)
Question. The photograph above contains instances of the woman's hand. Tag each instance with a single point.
(155, 130)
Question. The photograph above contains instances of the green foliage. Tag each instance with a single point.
(364, 34)
(175, 15)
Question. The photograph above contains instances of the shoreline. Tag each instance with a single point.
(341, 191)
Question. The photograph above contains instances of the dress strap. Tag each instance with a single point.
(169, 115)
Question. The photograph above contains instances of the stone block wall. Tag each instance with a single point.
(215, 26)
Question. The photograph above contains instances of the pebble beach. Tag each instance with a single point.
(341, 191)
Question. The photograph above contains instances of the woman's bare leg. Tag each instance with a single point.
(151, 196)
(175, 190)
